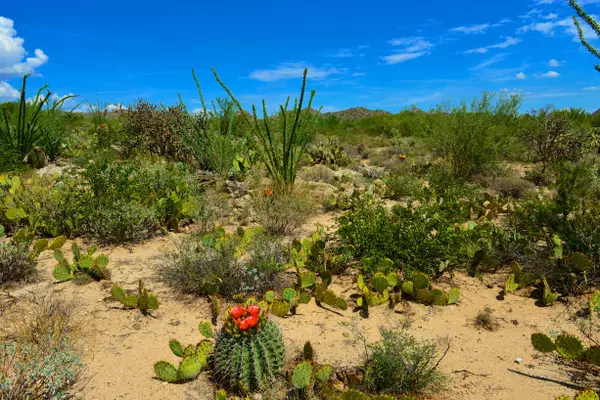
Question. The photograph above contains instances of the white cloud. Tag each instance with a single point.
(542, 2)
(342, 53)
(115, 107)
(471, 29)
(509, 41)
(292, 71)
(521, 76)
(414, 47)
(401, 57)
(13, 56)
(554, 63)
(592, 88)
(551, 16)
(7, 92)
(357, 74)
(549, 28)
(490, 61)
(549, 74)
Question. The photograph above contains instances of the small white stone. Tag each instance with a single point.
(519, 360)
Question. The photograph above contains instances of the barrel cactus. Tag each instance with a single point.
(36, 158)
(249, 350)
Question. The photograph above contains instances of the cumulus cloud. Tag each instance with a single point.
(13, 56)
(292, 71)
(412, 47)
(521, 76)
(7, 92)
(549, 74)
(554, 63)
(471, 29)
(509, 41)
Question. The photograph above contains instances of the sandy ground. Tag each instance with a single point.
(122, 345)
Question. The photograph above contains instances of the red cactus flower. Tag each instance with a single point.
(252, 321)
(236, 312)
(268, 192)
(254, 310)
(244, 324)
(102, 126)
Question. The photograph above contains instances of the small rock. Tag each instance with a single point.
(519, 360)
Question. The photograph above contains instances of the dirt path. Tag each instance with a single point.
(122, 345)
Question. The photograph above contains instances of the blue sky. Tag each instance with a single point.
(377, 54)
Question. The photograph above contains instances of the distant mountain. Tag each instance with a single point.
(355, 113)
(596, 112)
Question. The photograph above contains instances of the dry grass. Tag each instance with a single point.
(485, 319)
(38, 355)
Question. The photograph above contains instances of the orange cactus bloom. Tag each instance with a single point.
(102, 126)
(402, 156)
(268, 192)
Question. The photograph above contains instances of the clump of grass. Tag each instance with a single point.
(281, 214)
(15, 264)
(199, 266)
(38, 356)
(399, 364)
(319, 173)
(485, 319)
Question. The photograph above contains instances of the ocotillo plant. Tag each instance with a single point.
(283, 139)
(593, 24)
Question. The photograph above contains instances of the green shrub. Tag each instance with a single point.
(429, 237)
(219, 263)
(398, 186)
(400, 364)
(120, 222)
(473, 138)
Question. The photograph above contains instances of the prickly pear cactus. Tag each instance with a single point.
(570, 347)
(302, 375)
(542, 343)
(592, 355)
(245, 357)
(420, 281)
(587, 395)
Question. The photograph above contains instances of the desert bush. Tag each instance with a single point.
(318, 173)
(507, 186)
(399, 186)
(281, 214)
(15, 264)
(147, 127)
(284, 138)
(328, 152)
(40, 360)
(215, 263)
(551, 137)
(428, 237)
(400, 364)
(120, 222)
(473, 138)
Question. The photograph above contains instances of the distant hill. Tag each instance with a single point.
(355, 113)
(597, 112)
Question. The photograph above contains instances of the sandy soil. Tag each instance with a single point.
(122, 345)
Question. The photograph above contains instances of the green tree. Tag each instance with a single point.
(593, 24)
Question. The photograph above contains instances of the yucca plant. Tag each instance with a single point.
(22, 135)
(282, 140)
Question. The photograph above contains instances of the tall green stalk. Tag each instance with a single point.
(282, 140)
(593, 24)
(28, 130)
